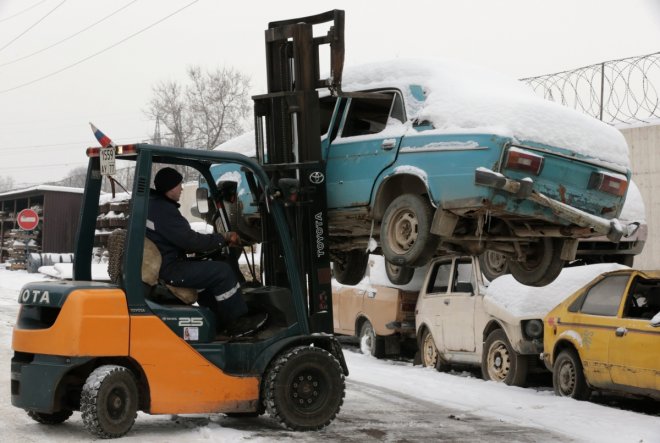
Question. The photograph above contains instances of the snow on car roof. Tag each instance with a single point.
(520, 300)
(471, 99)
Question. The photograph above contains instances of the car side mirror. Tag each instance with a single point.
(202, 197)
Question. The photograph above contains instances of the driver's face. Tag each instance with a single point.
(175, 192)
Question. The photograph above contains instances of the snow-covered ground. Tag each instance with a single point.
(466, 396)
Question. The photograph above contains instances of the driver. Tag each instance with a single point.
(218, 288)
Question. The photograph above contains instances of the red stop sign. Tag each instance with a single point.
(27, 219)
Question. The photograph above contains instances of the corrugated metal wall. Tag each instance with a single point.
(61, 214)
(644, 143)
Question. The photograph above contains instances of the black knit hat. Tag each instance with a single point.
(166, 179)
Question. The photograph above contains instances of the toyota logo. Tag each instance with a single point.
(316, 177)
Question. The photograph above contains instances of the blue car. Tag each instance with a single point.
(429, 157)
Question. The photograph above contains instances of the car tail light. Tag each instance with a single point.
(522, 160)
(614, 184)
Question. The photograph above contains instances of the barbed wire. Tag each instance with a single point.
(617, 91)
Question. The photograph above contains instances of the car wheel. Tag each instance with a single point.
(493, 265)
(542, 263)
(304, 388)
(370, 343)
(429, 353)
(109, 401)
(399, 275)
(499, 361)
(405, 232)
(568, 376)
(50, 419)
(352, 270)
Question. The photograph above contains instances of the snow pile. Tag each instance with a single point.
(64, 271)
(470, 99)
(519, 300)
(106, 197)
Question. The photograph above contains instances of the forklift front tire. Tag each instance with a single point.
(50, 419)
(305, 388)
(109, 401)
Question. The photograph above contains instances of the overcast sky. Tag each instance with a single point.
(105, 74)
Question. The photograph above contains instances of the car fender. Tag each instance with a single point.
(396, 177)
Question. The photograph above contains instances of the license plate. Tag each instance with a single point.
(108, 161)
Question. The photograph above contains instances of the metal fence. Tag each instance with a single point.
(616, 91)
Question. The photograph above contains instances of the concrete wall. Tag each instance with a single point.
(644, 143)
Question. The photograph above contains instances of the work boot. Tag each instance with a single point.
(247, 324)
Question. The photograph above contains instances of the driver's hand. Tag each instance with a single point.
(232, 238)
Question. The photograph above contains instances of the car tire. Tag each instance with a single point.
(405, 232)
(305, 388)
(370, 343)
(51, 419)
(109, 401)
(542, 264)
(398, 275)
(352, 270)
(429, 354)
(493, 265)
(501, 363)
(568, 376)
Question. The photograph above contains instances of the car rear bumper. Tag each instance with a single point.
(523, 189)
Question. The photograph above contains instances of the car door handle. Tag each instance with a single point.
(388, 143)
(446, 301)
(620, 332)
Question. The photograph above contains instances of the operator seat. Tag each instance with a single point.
(151, 262)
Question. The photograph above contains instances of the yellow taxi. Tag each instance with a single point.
(606, 336)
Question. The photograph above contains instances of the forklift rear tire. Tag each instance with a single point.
(109, 401)
(304, 388)
(50, 419)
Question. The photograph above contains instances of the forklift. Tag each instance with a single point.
(110, 349)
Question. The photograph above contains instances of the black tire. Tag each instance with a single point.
(304, 388)
(109, 401)
(500, 362)
(493, 265)
(542, 264)
(429, 354)
(399, 275)
(50, 419)
(370, 343)
(244, 414)
(352, 270)
(405, 232)
(568, 376)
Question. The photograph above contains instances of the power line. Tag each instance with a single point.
(69, 37)
(33, 25)
(21, 12)
(99, 52)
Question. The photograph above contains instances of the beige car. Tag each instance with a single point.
(458, 325)
(380, 314)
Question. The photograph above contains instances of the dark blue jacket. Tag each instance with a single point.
(171, 232)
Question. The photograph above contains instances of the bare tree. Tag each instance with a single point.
(207, 111)
(6, 183)
(75, 178)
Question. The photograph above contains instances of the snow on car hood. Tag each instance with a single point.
(506, 295)
(471, 99)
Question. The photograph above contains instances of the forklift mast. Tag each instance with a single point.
(288, 140)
